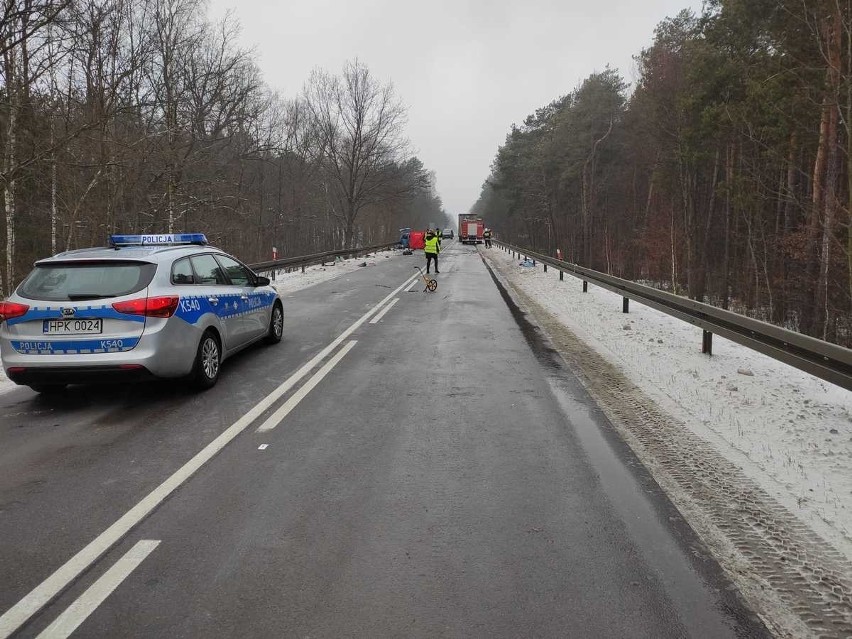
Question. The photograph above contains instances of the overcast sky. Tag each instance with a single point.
(466, 70)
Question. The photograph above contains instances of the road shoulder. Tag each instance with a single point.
(796, 581)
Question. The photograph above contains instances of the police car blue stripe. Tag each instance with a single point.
(193, 307)
(68, 347)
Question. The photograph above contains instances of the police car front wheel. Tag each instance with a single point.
(276, 325)
(208, 361)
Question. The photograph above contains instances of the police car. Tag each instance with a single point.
(146, 306)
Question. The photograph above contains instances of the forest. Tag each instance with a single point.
(722, 174)
(136, 116)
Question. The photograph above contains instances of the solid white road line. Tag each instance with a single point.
(306, 388)
(383, 312)
(94, 596)
(18, 614)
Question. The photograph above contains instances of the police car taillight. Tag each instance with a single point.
(149, 306)
(8, 310)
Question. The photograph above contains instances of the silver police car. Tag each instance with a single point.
(148, 305)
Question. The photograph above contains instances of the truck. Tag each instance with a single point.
(471, 228)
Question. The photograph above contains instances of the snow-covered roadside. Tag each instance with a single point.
(788, 431)
(5, 383)
(290, 282)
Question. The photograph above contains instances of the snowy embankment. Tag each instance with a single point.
(288, 283)
(296, 280)
(5, 384)
(788, 431)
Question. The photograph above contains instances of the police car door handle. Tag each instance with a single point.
(213, 300)
(245, 297)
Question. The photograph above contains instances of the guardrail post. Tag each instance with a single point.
(707, 342)
(585, 286)
(625, 305)
(303, 268)
(545, 268)
(561, 275)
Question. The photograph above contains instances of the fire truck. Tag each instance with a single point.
(471, 228)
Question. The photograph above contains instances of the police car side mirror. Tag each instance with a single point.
(262, 281)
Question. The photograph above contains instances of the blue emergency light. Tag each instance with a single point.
(157, 240)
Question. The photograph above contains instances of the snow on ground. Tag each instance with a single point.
(296, 280)
(789, 431)
(5, 383)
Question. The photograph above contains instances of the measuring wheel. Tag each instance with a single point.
(431, 285)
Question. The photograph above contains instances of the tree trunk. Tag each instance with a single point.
(675, 286)
(704, 244)
(9, 160)
(826, 201)
(53, 186)
(349, 228)
(789, 200)
(729, 180)
(823, 306)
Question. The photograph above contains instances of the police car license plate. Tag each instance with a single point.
(73, 326)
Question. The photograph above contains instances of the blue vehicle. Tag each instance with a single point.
(404, 237)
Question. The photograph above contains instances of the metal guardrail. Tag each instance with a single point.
(316, 258)
(828, 361)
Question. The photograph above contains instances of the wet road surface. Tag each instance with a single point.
(444, 475)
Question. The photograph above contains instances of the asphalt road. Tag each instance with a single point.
(447, 477)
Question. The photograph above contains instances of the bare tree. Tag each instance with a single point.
(25, 58)
(360, 123)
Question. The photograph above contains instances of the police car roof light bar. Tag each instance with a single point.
(157, 240)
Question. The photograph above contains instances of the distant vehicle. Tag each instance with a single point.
(416, 240)
(404, 235)
(447, 234)
(148, 306)
(471, 228)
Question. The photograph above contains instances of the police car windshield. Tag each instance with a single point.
(75, 281)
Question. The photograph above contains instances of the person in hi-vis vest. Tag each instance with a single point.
(432, 248)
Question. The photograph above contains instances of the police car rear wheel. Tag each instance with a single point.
(208, 361)
(276, 325)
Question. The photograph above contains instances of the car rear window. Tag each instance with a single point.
(72, 281)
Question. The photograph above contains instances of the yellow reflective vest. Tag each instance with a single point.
(432, 246)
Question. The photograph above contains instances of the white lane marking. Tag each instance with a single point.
(411, 286)
(306, 388)
(383, 312)
(95, 595)
(36, 599)
(263, 447)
